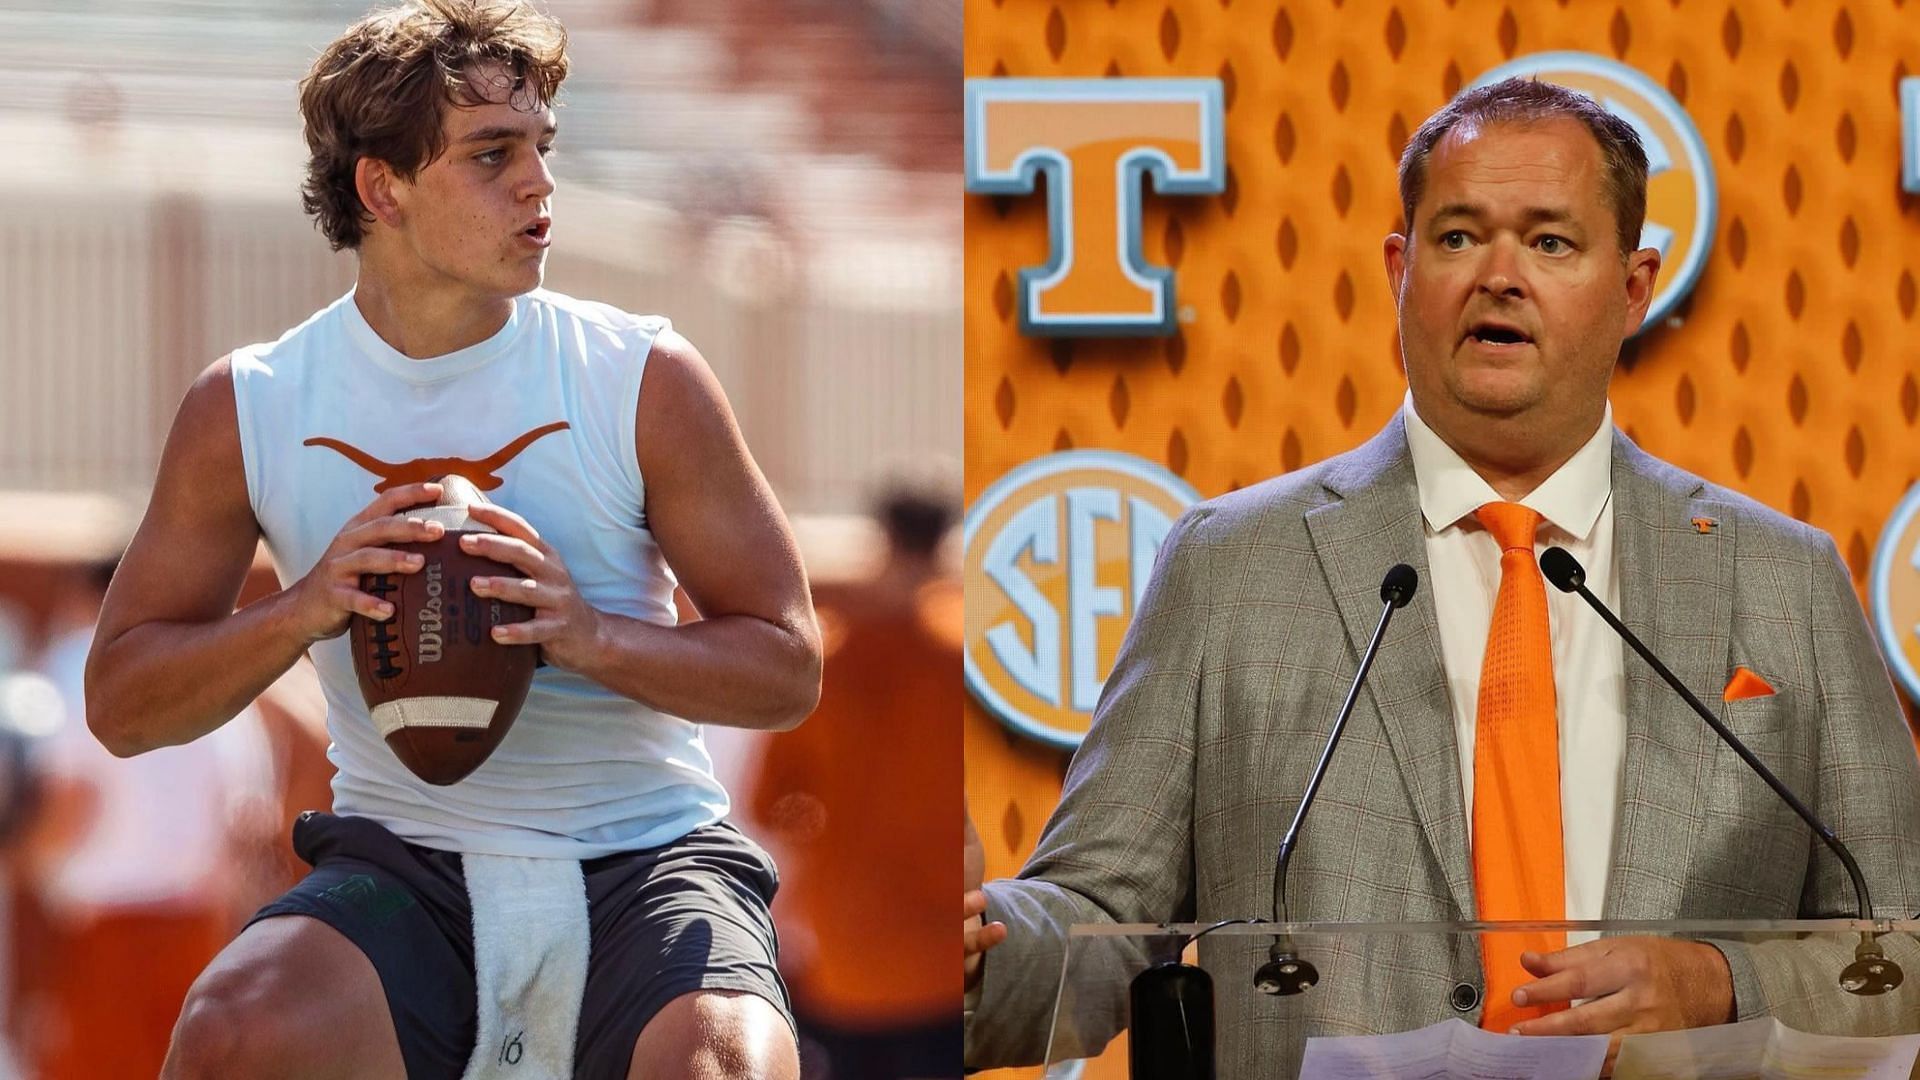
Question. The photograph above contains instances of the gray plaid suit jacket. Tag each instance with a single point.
(1235, 665)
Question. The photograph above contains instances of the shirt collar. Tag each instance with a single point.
(431, 369)
(1570, 500)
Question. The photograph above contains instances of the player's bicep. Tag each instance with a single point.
(189, 557)
(710, 509)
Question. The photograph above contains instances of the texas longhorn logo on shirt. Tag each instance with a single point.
(1056, 558)
(1893, 592)
(1681, 195)
(419, 470)
(1095, 139)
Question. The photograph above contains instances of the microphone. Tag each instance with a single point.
(1871, 972)
(1171, 1034)
(1285, 973)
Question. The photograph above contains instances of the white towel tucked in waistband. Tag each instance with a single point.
(530, 962)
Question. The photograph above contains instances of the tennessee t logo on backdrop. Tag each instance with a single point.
(1095, 139)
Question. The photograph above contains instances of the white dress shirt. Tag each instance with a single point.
(1588, 681)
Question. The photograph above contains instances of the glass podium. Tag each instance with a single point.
(1173, 990)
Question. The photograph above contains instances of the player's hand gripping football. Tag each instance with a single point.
(324, 600)
(564, 625)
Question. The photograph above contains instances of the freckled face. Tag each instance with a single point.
(474, 214)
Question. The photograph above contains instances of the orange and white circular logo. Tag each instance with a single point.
(1893, 590)
(1057, 556)
(1681, 193)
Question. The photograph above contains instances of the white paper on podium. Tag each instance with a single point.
(1453, 1050)
(1765, 1049)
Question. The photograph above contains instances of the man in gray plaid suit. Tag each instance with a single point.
(1518, 279)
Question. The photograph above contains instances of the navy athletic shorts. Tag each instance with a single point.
(666, 921)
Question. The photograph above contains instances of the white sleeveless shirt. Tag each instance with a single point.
(546, 408)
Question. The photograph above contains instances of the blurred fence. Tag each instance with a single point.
(151, 223)
(113, 295)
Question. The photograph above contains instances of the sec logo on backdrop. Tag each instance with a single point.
(1894, 593)
(1057, 556)
(1681, 197)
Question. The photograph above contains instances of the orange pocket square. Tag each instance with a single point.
(1745, 684)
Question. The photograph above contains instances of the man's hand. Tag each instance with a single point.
(977, 935)
(330, 594)
(1636, 983)
(564, 625)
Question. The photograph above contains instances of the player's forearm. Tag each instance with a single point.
(732, 670)
(166, 683)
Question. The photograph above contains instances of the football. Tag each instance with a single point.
(442, 692)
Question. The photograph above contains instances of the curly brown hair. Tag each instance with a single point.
(382, 90)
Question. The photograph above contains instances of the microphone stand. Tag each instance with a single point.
(1285, 973)
(1171, 1003)
(1871, 972)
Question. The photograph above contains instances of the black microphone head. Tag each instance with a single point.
(1399, 585)
(1562, 569)
(1284, 974)
(1170, 1023)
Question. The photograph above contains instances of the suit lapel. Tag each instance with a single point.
(1676, 594)
(1374, 524)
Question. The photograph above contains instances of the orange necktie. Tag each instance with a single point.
(1517, 859)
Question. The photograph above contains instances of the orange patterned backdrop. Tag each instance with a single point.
(1790, 373)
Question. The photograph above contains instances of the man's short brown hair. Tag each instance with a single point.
(382, 91)
(1529, 101)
